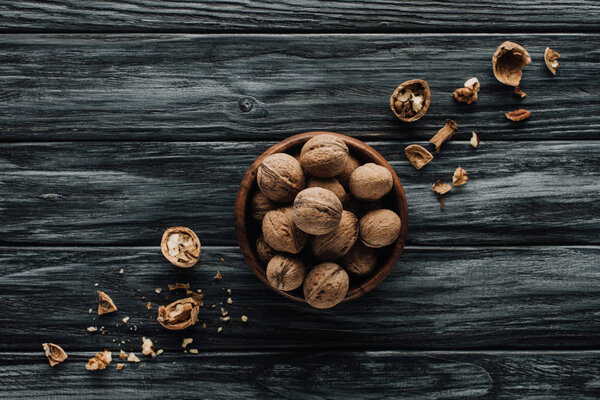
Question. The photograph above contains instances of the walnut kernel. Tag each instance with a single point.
(264, 251)
(474, 140)
(317, 211)
(410, 100)
(443, 134)
(379, 228)
(370, 182)
(508, 62)
(441, 189)
(326, 285)
(281, 233)
(460, 177)
(105, 303)
(180, 314)
(148, 347)
(180, 246)
(551, 59)
(54, 353)
(324, 156)
(336, 244)
(418, 156)
(518, 115)
(469, 93)
(280, 177)
(285, 273)
(99, 361)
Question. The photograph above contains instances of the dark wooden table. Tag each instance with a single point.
(120, 119)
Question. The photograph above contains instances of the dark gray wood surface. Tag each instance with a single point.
(237, 88)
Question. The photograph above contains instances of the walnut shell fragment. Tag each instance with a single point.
(441, 189)
(443, 134)
(410, 101)
(519, 92)
(508, 62)
(474, 140)
(551, 58)
(460, 177)
(180, 246)
(518, 115)
(179, 315)
(105, 303)
(469, 93)
(99, 361)
(54, 353)
(418, 155)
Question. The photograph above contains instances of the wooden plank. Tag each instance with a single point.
(435, 298)
(198, 87)
(311, 376)
(129, 193)
(298, 16)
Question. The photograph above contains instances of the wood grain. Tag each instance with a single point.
(129, 193)
(298, 16)
(312, 376)
(241, 87)
(435, 298)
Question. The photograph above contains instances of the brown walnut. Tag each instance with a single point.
(180, 246)
(285, 273)
(317, 211)
(443, 134)
(264, 251)
(360, 260)
(351, 165)
(54, 353)
(418, 155)
(410, 100)
(281, 233)
(179, 314)
(326, 285)
(334, 245)
(551, 59)
(105, 303)
(441, 189)
(360, 208)
(370, 182)
(330, 184)
(474, 140)
(324, 156)
(469, 93)
(508, 62)
(280, 177)
(260, 205)
(379, 228)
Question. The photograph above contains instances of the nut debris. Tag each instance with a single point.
(518, 115)
(54, 353)
(125, 320)
(508, 62)
(176, 286)
(443, 135)
(417, 155)
(519, 92)
(474, 140)
(180, 314)
(121, 271)
(441, 189)
(186, 342)
(105, 303)
(219, 330)
(224, 312)
(92, 329)
(218, 276)
(133, 358)
(158, 290)
(180, 246)
(244, 318)
(120, 366)
(122, 355)
(149, 306)
(99, 361)
(148, 347)
(159, 352)
(229, 300)
(551, 59)
(460, 177)
(469, 93)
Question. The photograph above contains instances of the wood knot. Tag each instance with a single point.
(246, 104)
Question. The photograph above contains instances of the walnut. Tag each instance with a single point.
(105, 303)
(285, 273)
(418, 156)
(317, 211)
(360, 260)
(508, 62)
(551, 58)
(280, 177)
(54, 353)
(324, 156)
(519, 92)
(281, 233)
(370, 182)
(180, 314)
(99, 361)
(460, 177)
(180, 246)
(379, 228)
(518, 115)
(330, 184)
(334, 245)
(264, 251)
(443, 134)
(410, 100)
(326, 285)
(474, 140)
(469, 93)
(441, 189)
(351, 164)
(260, 205)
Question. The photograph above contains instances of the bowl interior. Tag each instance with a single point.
(248, 230)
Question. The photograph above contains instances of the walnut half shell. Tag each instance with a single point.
(418, 155)
(180, 246)
(54, 353)
(180, 314)
(410, 101)
(551, 58)
(105, 303)
(508, 62)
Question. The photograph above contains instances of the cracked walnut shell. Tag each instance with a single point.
(261, 205)
(54, 353)
(317, 211)
(105, 303)
(285, 273)
(379, 228)
(179, 314)
(418, 155)
(180, 246)
(326, 285)
(410, 101)
(551, 59)
(324, 156)
(508, 62)
(337, 243)
(443, 134)
(370, 182)
(280, 177)
(281, 233)
(469, 93)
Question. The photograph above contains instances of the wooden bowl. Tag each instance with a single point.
(248, 230)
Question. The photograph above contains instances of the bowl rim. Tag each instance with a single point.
(248, 182)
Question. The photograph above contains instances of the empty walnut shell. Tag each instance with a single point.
(330, 184)
(351, 164)
(324, 156)
(418, 155)
(260, 205)
(179, 314)
(105, 303)
(285, 273)
(379, 228)
(360, 260)
(281, 233)
(370, 182)
(410, 101)
(264, 251)
(508, 62)
(317, 211)
(551, 59)
(326, 285)
(54, 353)
(180, 246)
(280, 177)
(334, 245)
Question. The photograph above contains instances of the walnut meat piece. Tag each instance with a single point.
(441, 189)
(379, 228)
(180, 314)
(551, 59)
(261, 205)
(418, 156)
(360, 260)
(280, 177)
(326, 285)
(324, 156)
(443, 134)
(469, 93)
(410, 101)
(460, 177)
(474, 142)
(285, 273)
(105, 303)
(264, 251)
(330, 184)
(518, 115)
(281, 233)
(54, 353)
(370, 182)
(317, 211)
(508, 62)
(351, 165)
(148, 347)
(336, 244)
(180, 246)
(99, 361)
